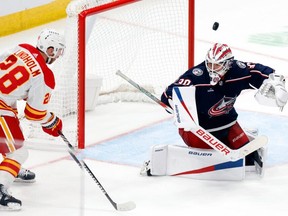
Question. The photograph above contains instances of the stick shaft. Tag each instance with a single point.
(140, 88)
(84, 166)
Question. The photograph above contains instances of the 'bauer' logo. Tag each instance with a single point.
(212, 141)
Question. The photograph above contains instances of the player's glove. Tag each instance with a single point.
(170, 111)
(53, 126)
(272, 92)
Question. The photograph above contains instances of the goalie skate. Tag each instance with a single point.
(25, 176)
(146, 169)
(259, 158)
(260, 161)
(8, 202)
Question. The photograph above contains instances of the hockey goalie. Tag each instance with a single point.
(204, 96)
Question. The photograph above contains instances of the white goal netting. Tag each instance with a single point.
(146, 40)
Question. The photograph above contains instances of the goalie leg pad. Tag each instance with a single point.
(206, 164)
(158, 162)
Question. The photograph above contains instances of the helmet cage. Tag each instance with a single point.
(58, 52)
(218, 61)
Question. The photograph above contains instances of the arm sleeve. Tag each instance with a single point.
(166, 95)
(37, 102)
(259, 73)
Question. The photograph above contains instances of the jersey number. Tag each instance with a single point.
(14, 77)
(184, 82)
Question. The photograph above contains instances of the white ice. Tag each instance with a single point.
(62, 189)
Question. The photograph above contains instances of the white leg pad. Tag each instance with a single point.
(158, 159)
(194, 163)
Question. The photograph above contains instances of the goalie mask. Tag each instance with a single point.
(218, 61)
(50, 38)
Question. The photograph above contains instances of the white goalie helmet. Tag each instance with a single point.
(51, 38)
(218, 61)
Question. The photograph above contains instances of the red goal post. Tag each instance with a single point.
(81, 52)
(151, 41)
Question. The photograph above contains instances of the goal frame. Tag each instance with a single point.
(81, 54)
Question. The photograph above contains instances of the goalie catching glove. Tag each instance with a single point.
(272, 92)
(53, 125)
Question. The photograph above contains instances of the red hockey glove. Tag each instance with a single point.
(53, 126)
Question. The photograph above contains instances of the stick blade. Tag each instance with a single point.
(255, 144)
(126, 206)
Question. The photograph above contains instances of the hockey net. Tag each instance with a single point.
(146, 40)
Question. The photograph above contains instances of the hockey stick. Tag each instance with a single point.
(127, 206)
(168, 109)
(231, 154)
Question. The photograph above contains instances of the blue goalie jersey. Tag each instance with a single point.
(215, 103)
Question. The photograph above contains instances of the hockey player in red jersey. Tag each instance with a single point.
(218, 81)
(24, 75)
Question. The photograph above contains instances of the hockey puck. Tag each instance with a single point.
(215, 26)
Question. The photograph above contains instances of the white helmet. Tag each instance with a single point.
(218, 61)
(51, 38)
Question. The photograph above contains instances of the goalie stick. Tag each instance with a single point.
(127, 206)
(231, 154)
